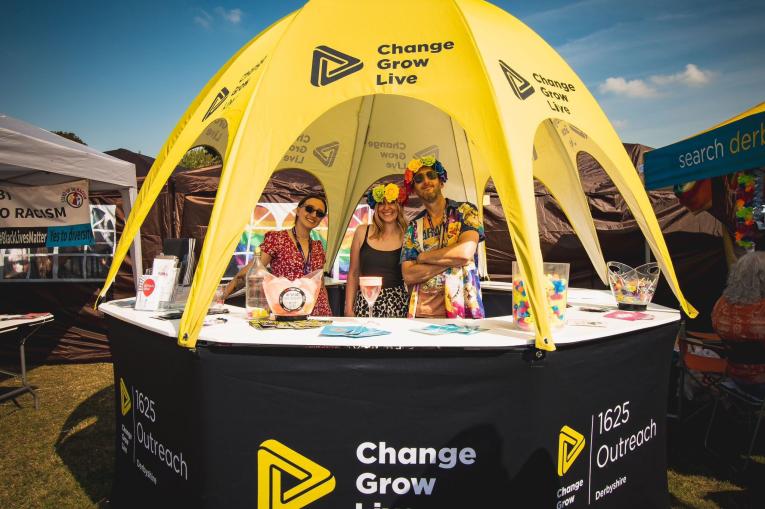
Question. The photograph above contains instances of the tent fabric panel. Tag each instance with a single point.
(17, 176)
(520, 112)
(535, 62)
(23, 145)
(348, 205)
(326, 149)
(236, 72)
(637, 200)
(557, 170)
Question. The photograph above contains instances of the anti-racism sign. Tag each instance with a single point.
(45, 216)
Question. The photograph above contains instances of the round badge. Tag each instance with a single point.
(292, 298)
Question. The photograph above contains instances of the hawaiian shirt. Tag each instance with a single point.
(462, 287)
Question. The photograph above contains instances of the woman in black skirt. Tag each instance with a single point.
(376, 251)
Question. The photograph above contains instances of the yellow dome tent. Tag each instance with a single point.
(350, 90)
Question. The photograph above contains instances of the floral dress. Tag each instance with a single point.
(286, 261)
(461, 285)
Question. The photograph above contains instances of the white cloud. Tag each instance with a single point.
(233, 16)
(628, 88)
(203, 19)
(692, 76)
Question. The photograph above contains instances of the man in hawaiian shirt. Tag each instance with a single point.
(438, 258)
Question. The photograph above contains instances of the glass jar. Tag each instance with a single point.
(556, 296)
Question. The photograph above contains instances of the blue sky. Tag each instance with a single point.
(120, 74)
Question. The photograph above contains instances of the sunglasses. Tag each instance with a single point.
(310, 209)
(420, 176)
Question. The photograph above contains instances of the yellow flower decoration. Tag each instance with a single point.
(428, 161)
(391, 192)
(415, 164)
(378, 193)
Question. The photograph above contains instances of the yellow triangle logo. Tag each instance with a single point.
(275, 458)
(570, 445)
(124, 398)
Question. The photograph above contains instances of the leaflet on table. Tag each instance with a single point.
(436, 330)
(265, 323)
(352, 331)
(157, 288)
(147, 298)
(165, 269)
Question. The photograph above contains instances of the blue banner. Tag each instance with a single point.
(733, 147)
(69, 236)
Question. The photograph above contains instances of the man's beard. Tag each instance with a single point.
(430, 196)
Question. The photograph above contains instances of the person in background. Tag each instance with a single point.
(439, 256)
(738, 317)
(291, 253)
(376, 251)
(16, 264)
(43, 263)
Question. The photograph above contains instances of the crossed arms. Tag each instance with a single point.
(430, 263)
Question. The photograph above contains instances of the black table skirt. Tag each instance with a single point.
(246, 426)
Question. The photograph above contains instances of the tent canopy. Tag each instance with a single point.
(734, 145)
(483, 89)
(33, 156)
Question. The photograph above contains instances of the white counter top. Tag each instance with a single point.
(500, 332)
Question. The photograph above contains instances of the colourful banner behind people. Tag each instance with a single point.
(45, 216)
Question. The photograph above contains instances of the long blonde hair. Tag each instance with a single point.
(377, 227)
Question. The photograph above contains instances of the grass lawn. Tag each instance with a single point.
(62, 456)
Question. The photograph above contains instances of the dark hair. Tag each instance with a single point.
(314, 197)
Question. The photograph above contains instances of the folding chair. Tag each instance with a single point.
(752, 406)
(711, 375)
(708, 372)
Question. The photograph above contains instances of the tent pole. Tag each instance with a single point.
(128, 200)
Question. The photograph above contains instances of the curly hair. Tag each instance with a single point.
(746, 280)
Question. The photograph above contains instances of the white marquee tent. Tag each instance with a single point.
(31, 156)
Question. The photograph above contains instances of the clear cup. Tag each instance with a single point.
(218, 299)
(370, 287)
(556, 296)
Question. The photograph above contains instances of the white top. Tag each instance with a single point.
(500, 332)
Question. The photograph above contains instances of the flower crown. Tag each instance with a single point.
(416, 164)
(387, 192)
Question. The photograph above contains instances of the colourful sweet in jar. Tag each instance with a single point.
(556, 296)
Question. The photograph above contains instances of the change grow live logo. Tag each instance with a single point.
(274, 459)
